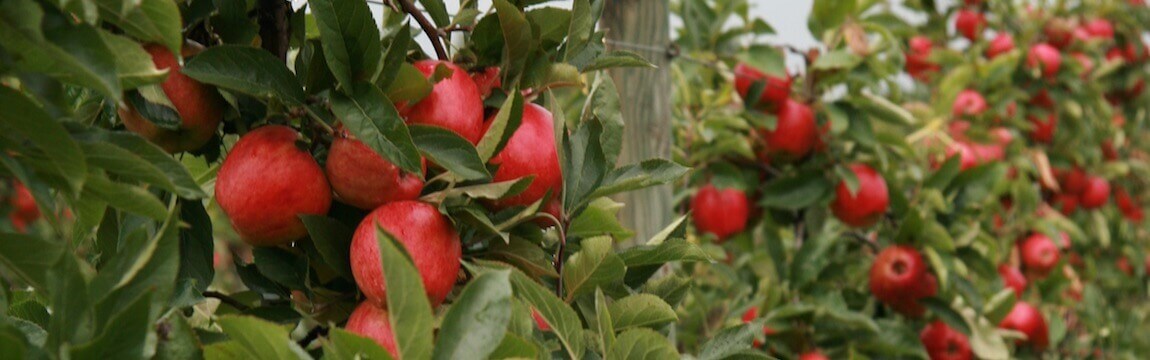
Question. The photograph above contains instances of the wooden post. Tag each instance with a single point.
(645, 96)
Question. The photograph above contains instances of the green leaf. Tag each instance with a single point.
(584, 165)
(133, 64)
(797, 191)
(580, 29)
(333, 241)
(447, 149)
(942, 310)
(518, 43)
(125, 197)
(368, 115)
(502, 127)
(477, 320)
(344, 345)
(768, 59)
(840, 59)
(491, 191)
(729, 341)
(119, 270)
(884, 109)
(350, 40)
(641, 310)
(259, 339)
(127, 337)
(642, 344)
(606, 326)
(393, 60)
(148, 20)
(645, 174)
(128, 165)
(663, 253)
(282, 267)
(182, 181)
(410, 312)
(604, 104)
(72, 53)
(22, 119)
(600, 218)
(524, 255)
(999, 305)
(180, 342)
(197, 246)
(438, 12)
(72, 318)
(563, 320)
(829, 14)
(514, 347)
(14, 252)
(618, 59)
(246, 70)
(409, 85)
(593, 266)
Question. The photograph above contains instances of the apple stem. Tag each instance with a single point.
(433, 33)
(318, 122)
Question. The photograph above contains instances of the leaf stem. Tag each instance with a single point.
(227, 300)
(425, 24)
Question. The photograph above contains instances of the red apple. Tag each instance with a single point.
(813, 355)
(1042, 99)
(362, 178)
(1123, 265)
(1099, 29)
(427, 235)
(1096, 193)
(24, 208)
(775, 91)
(1001, 44)
(1028, 320)
(944, 343)
(1045, 57)
(372, 322)
(866, 206)
(795, 131)
(970, 24)
(1072, 181)
(899, 277)
(530, 152)
(1127, 205)
(199, 106)
(968, 103)
(1067, 203)
(918, 63)
(1013, 279)
(720, 212)
(1039, 254)
(266, 182)
(487, 80)
(455, 103)
(1043, 131)
(973, 2)
(1059, 32)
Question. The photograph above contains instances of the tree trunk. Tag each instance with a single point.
(645, 96)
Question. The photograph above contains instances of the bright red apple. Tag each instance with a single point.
(24, 208)
(1096, 193)
(362, 178)
(1099, 29)
(199, 106)
(1128, 206)
(1123, 265)
(813, 355)
(1043, 131)
(530, 152)
(918, 63)
(372, 322)
(775, 91)
(486, 80)
(1001, 44)
(1045, 57)
(1026, 319)
(266, 182)
(427, 235)
(795, 131)
(969, 103)
(970, 24)
(720, 212)
(899, 277)
(866, 206)
(1039, 254)
(1013, 279)
(455, 103)
(1072, 181)
(944, 343)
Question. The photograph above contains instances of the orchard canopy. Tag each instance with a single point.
(581, 179)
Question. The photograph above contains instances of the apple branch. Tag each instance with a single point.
(428, 28)
(275, 30)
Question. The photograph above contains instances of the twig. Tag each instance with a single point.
(275, 29)
(227, 300)
(315, 333)
(559, 224)
(428, 28)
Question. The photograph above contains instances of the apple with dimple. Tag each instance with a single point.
(372, 322)
(266, 182)
(198, 105)
(454, 103)
(720, 212)
(1045, 57)
(362, 178)
(530, 152)
(944, 343)
(867, 205)
(429, 238)
(969, 103)
(899, 277)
